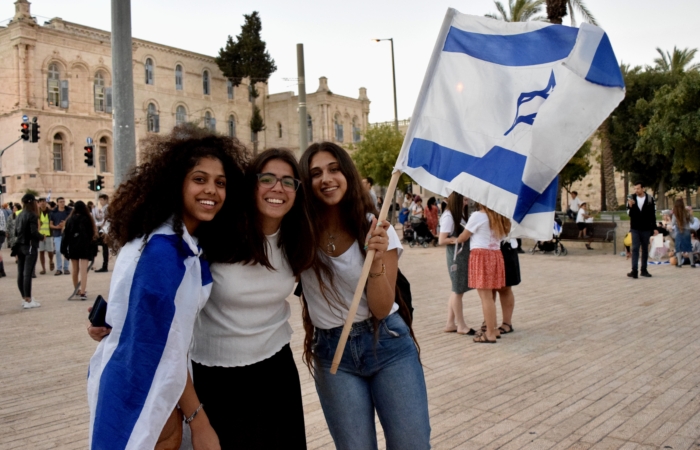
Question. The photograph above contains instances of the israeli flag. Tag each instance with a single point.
(139, 371)
(502, 109)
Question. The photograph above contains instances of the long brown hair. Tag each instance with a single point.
(500, 225)
(459, 211)
(681, 214)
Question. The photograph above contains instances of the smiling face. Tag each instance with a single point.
(327, 181)
(274, 202)
(203, 193)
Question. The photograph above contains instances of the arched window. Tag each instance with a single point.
(103, 154)
(355, 130)
(279, 129)
(149, 71)
(231, 126)
(229, 89)
(309, 129)
(178, 77)
(180, 115)
(153, 119)
(54, 85)
(57, 152)
(99, 90)
(54, 73)
(209, 121)
(205, 83)
(338, 128)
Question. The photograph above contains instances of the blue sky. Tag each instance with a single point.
(337, 35)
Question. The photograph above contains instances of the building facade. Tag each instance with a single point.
(61, 73)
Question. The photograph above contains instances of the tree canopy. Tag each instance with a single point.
(376, 154)
(558, 9)
(676, 62)
(518, 11)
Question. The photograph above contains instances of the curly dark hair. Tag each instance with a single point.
(152, 193)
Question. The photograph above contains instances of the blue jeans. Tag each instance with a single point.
(640, 239)
(59, 257)
(383, 375)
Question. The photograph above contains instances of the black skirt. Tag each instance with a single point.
(511, 263)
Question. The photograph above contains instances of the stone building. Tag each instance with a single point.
(61, 73)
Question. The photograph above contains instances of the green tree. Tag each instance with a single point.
(376, 154)
(518, 11)
(676, 62)
(558, 9)
(247, 56)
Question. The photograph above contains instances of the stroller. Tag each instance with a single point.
(553, 245)
(416, 231)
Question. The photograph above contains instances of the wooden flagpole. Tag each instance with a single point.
(363, 277)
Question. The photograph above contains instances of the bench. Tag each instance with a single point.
(597, 232)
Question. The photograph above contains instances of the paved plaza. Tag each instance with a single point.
(597, 360)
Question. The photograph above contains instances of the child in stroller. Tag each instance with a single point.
(553, 245)
(416, 231)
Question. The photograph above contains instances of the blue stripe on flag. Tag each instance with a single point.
(542, 46)
(500, 167)
(604, 69)
(206, 272)
(127, 377)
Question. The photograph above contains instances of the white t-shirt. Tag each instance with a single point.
(482, 237)
(575, 204)
(347, 269)
(640, 201)
(246, 318)
(417, 210)
(580, 216)
(447, 222)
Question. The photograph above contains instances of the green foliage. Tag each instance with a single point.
(577, 168)
(32, 191)
(558, 9)
(247, 55)
(518, 10)
(676, 62)
(256, 121)
(375, 155)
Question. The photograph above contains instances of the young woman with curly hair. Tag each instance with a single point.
(244, 371)
(139, 385)
(380, 369)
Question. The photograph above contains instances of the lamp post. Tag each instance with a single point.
(393, 75)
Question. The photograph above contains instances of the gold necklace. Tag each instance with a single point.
(330, 245)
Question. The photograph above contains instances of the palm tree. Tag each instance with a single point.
(519, 11)
(557, 9)
(677, 61)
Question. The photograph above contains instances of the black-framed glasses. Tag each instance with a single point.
(269, 180)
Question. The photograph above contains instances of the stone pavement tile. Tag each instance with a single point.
(539, 444)
(681, 443)
(692, 427)
(608, 443)
(490, 434)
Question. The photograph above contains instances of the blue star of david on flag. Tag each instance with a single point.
(502, 109)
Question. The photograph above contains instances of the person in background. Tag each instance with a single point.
(90, 207)
(695, 254)
(11, 237)
(574, 205)
(431, 215)
(78, 245)
(417, 210)
(694, 221)
(45, 246)
(581, 222)
(642, 211)
(3, 236)
(367, 183)
(100, 215)
(681, 231)
(58, 222)
(26, 247)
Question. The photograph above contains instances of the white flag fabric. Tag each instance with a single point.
(502, 109)
(139, 371)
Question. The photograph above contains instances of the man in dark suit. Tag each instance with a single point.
(642, 211)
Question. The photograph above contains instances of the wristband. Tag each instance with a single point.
(194, 414)
(375, 275)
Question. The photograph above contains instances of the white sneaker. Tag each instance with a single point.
(32, 304)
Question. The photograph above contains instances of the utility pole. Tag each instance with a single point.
(123, 86)
(303, 133)
(393, 76)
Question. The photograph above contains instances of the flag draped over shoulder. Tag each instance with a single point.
(139, 371)
(502, 109)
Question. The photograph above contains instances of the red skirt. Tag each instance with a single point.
(486, 269)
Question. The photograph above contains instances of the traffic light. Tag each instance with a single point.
(91, 185)
(35, 131)
(25, 131)
(90, 156)
(99, 183)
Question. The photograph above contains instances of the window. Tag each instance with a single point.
(149, 71)
(355, 130)
(57, 152)
(279, 129)
(338, 128)
(229, 89)
(178, 77)
(209, 121)
(180, 115)
(103, 154)
(54, 85)
(309, 129)
(250, 93)
(152, 119)
(205, 83)
(231, 126)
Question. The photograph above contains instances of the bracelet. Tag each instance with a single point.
(194, 414)
(375, 275)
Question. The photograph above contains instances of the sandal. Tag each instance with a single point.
(482, 339)
(503, 330)
(483, 327)
(471, 332)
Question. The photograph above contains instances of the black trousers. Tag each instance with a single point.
(26, 260)
(105, 251)
(254, 407)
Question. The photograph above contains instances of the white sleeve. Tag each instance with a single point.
(394, 241)
(447, 223)
(475, 221)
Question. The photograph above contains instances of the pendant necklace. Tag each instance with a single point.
(330, 246)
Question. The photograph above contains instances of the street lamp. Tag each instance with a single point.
(393, 74)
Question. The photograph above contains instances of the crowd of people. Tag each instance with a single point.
(37, 230)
